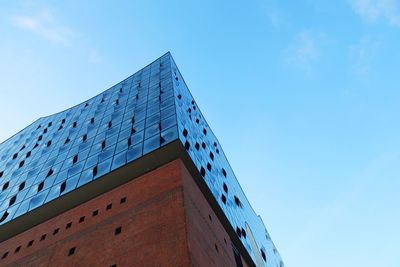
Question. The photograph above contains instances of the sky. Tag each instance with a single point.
(303, 96)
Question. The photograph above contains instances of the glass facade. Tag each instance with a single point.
(148, 110)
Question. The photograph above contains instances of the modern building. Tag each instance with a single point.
(132, 177)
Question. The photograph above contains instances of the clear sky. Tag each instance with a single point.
(303, 95)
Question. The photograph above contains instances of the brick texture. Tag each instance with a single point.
(158, 219)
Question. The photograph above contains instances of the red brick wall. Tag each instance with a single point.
(164, 220)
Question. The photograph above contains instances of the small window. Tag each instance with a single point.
(197, 146)
(208, 166)
(203, 145)
(95, 213)
(238, 202)
(263, 255)
(211, 156)
(40, 186)
(202, 171)
(109, 206)
(5, 255)
(49, 173)
(118, 230)
(223, 198)
(1, 174)
(12, 200)
(63, 186)
(103, 144)
(21, 164)
(187, 145)
(43, 237)
(56, 231)
(185, 133)
(216, 248)
(84, 137)
(69, 225)
(67, 141)
(223, 172)
(28, 154)
(30, 243)
(82, 219)
(225, 188)
(49, 143)
(71, 251)
(5, 186)
(94, 171)
(75, 159)
(17, 249)
(123, 200)
(15, 156)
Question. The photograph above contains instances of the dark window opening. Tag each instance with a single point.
(56, 231)
(28, 154)
(129, 141)
(118, 230)
(40, 138)
(204, 131)
(69, 225)
(179, 97)
(15, 156)
(103, 144)
(185, 133)
(5, 255)
(187, 145)
(30, 243)
(208, 166)
(67, 141)
(21, 164)
(203, 145)
(217, 150)
(75, 159)
(12, 200)
(95, 213)
(59, 128)
(209, 217)
(49, 125)
(74, 124)
(123, 200)
(238, 202)
(114, 265)
(17, 249)
(63, 121)
(202, 171)
(109, 206)
(21, 186)
(197, 146)
(223, 172)
(211, 156)
(244, 233)
(71, 251)
(133, 120)
(92, 120)
(40, 186)
(49, 173)
(63, 186)
(36, 145)
(82, 219)
(225, 188)
(1, 174)
(43, 237)
(223, 198)
(49, 143)
(109, 124)
(5, 186)
(5, 215)
(84, 138)
(133, 130)
(263, 255)
(22, 148)
(216, 247)
(94, 171)
(45, 131)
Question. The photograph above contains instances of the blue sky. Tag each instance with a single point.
(303, 95)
